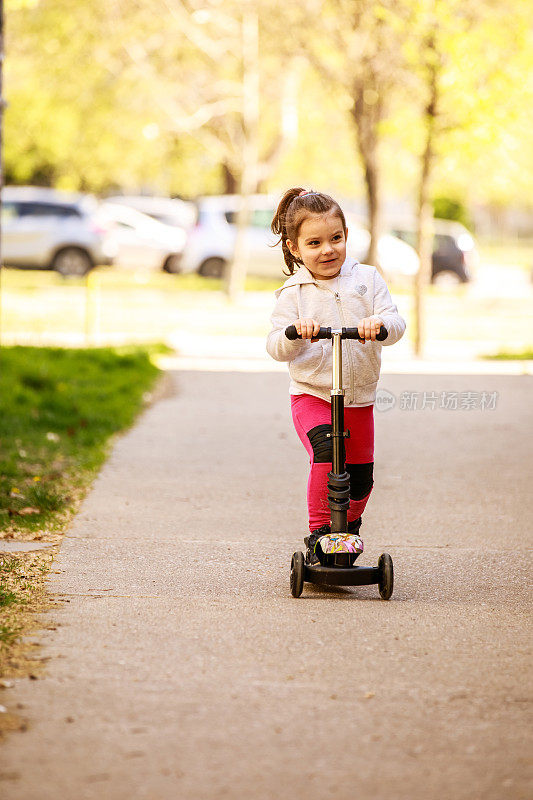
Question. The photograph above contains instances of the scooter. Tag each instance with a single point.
(338, 550)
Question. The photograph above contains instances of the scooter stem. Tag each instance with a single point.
(337, 365)
(338, 478)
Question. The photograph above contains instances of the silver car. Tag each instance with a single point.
(49, 229)
(170, 211)
(143, 242)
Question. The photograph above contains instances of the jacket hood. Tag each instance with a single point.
(304, 276)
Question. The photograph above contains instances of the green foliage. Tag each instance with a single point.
(449, 208)
(149, 95)
(7, 597)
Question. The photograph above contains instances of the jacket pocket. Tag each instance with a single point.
(313, 366)
(364, 363)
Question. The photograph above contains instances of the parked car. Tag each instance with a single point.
(175, 212)
(142, 242)
(211, 241)
(49, 229)
(455, 256)
(396, 258)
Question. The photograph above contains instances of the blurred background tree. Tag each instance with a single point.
(373, 99)
(356, 49)
(149, 95)
(450, 56)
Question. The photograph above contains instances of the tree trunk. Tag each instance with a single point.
(425, 210)
(366, 113)
(374, 208)
(1, 147)
(236, 274)
(231, 182)
(287, 131)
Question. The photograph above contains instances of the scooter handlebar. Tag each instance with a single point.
(325, 333)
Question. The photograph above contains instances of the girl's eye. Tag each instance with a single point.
(337, 237)
(311, 244)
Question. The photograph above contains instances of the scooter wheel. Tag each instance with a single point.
(386, 576)
(297, 574)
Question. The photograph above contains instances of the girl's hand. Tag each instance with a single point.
(369, 327)
(307, 328)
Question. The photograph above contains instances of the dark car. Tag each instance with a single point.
(454, 251)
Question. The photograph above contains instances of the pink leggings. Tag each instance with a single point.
(310, 414)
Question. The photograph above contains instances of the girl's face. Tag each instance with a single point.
(321, 245)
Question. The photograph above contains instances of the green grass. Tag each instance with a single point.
(6, 597)
(22, 596)
(8, 634)
(523, 355)
(59, 409)
(108, 278)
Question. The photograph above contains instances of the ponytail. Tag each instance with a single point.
(296, 205)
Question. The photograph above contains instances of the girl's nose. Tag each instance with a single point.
(327, 247)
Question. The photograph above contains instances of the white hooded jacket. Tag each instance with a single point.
(361, 292)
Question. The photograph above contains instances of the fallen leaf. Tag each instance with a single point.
(24, 512)
(369, 695)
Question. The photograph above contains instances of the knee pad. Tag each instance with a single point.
(321, 444)
(361, 479)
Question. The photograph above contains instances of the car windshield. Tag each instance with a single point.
(261, 217)
(37, 209)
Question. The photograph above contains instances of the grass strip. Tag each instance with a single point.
(60, 409)
(22, 597)
(523, 355)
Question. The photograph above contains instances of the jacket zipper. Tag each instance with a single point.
(351, 367)
(343, 323)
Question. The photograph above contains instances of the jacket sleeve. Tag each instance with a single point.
(284, 314)
(385, 308)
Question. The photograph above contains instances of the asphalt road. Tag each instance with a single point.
(182, 669)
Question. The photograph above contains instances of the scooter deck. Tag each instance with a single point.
(341, 576)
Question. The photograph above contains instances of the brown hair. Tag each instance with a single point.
(294, 207)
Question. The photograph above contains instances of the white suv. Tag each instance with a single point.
(210, 243)
(49, 229)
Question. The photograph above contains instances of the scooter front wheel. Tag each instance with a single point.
(297, 574)
(386, 576)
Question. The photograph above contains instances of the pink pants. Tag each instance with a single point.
(308, 412)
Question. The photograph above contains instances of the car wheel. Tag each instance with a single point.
(72, 261)
(212, 267)
(173, 264)
(447, 278)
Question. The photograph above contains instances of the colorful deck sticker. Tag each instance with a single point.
(341, 543)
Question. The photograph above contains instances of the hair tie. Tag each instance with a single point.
(304, 193)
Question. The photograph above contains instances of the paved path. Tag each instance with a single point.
(181, 668)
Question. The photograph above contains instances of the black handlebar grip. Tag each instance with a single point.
(292, 333)
(353, 333)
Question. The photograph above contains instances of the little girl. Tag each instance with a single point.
(328, 289)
